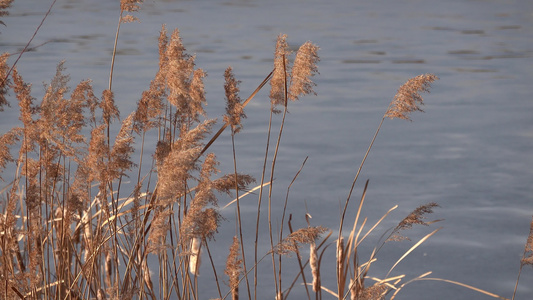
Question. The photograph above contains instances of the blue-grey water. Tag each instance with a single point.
(471, 151)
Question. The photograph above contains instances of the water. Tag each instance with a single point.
(470, 152)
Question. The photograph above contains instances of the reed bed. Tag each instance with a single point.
(72, 227)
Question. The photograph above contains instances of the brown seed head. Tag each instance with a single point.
(408, 98)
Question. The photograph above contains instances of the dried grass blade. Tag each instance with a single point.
(377, 223)
(245, 194)
(466, 286)
(412, 280)
(413, 248)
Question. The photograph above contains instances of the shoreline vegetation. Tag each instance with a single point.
(73, 227)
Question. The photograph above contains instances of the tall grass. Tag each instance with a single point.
(71, 227)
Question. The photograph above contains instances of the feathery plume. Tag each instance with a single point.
(7, 139)
(234, 267)
(109, 110)
(234, 108)
(149, 108)
(160, 225)
(182, 158)
(122, 149)
(197, 93)
(408, 98)
(415, 217)
(97, 151)
(3, 5)
(301, 236)
(226, 183)
(162, 45)
(129, 6)
(281, 69)
(23, 93)
(84, 94)
(201, 221)
(179, 67)
(374, 292)
(62, 119)
(304, 68)
(527, 258)
(4, 83)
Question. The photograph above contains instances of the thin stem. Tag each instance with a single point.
(260, 198)
(29, 42)
(239, 222)
(272, 177)
(357, 175)
(114, 51)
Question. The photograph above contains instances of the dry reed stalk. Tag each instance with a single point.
(6, 4)
(340, 265)
(313, 263)
(195, 258)
(305, 68)
(233, 116)
(406, 100)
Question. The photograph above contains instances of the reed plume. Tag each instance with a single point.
(181, 159)
(202, 220)
(227, 182)
(415, 217)
(4, 4)
(408, 98)
(109, 109)
(527, 258)
(234, 267)
(278, 82)
(122, 150)
(7, 139)
(301, 236)
(26, 104)
(234, 108)
(303, 69)
(129, 6)
(4, 83)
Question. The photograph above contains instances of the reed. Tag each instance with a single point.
(68, 232)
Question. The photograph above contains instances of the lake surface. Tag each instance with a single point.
(471, 151)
